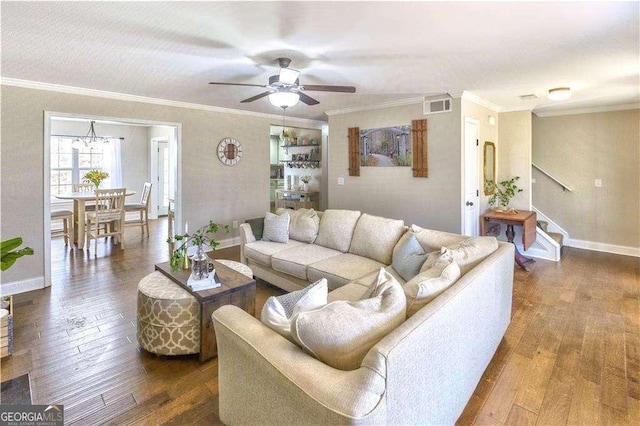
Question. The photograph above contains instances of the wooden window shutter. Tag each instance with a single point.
(354, 151)
(420, 154)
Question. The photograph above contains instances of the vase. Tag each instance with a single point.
(200, 264)
(305, 187)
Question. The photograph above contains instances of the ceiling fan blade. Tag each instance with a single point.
(307, 99)
(256, 97)
(323, 88)
(238, 84)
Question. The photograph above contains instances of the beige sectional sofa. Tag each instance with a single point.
(423, 372)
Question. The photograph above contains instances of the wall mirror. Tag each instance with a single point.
(489, 168)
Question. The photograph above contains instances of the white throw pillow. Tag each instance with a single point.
(427, 285)
(467, 253)
(304, 225)
(341, 333)
(279, 311)
(276, 227)
(336, 229)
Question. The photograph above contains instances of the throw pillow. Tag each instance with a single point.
(279, 311)
(467, 253)
(304, 225)
(257, 226)
(427, 285)
(408, 256)
(341, 333)
(276, 228)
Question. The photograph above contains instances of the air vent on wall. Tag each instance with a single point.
(528, 97)
(436, 106)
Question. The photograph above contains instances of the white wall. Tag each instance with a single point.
(514, 154)
(432, 202)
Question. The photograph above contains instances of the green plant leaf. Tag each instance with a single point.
(8, 245)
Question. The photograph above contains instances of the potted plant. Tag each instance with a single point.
(10, 255)
(205, 235)
(95, 177)
(305, 179)
(504, 192)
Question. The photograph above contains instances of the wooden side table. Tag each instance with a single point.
(524, 218)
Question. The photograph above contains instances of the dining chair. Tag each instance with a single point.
(85, 187)
(142, 207)
(109, 211)
(67, 225)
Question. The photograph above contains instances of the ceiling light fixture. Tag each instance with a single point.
(284, 99)
(559, 93)
(288, 76)
(91, 140)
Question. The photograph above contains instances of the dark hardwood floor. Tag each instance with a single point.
(570, 356)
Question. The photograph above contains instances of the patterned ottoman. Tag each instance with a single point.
(168, 317)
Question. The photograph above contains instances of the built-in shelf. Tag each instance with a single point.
(299, 146)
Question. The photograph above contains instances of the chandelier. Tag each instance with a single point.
(91, 140)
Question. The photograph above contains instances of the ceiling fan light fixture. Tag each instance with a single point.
(288, 76)
(559, 93)
(284, 99)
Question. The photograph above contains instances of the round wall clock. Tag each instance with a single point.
(229, 151)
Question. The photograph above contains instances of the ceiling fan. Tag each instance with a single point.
(285, 90)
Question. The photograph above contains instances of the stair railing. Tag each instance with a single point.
(564, 187)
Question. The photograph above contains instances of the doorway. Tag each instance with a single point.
(133, 176)
(161, 166)
(471, 191)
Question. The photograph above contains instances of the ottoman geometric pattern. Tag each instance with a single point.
(168, 317)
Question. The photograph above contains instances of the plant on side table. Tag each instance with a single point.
(504, 192)
(205, 235)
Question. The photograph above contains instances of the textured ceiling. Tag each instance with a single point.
(388, 50)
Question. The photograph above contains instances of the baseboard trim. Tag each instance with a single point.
(23, 286)
(603, 247)
(229, 242)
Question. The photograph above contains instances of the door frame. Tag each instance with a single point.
(46, 136)
(463, 173)
(153, 173)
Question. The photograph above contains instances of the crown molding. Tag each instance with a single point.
(468, 96)
(73, 90)
(590, 110)
(390, 104)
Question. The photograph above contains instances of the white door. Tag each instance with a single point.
(471, 190)
(162, 180)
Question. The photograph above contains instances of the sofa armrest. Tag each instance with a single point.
(246, 234)
(264, 378)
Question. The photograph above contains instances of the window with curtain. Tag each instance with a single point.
(69, 164)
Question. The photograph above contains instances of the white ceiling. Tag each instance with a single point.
(388, 50)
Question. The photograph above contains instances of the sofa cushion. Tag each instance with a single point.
(336, 229)
(304, 225)
(261, 251)
(408, 256)
(375, 237)
(341, 333)
(433, 240)
(467, 253)
(276, 227)
(278, 311)
(295, 261)
(350, 292)
(341, 269)
(427, 285)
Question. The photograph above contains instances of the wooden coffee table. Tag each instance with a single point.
(237, 289)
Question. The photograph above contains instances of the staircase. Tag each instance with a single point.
(556, 236)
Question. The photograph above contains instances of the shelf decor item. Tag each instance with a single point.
(95, 177)
(305, 179)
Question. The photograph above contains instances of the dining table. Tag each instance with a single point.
(79, 209)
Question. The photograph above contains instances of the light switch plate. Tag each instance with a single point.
(340, 181)
(598, 183)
